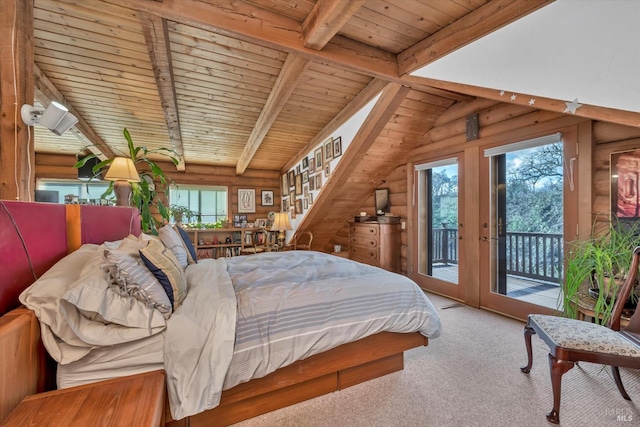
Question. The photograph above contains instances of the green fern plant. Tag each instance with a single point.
(143, 193)
(600, 262)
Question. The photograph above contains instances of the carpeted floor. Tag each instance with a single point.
(470, 376)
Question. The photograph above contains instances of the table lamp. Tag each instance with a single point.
(123, 172)
(281, 224)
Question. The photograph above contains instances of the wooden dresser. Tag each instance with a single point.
(376, 243)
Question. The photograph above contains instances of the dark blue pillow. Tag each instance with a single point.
(188, 244)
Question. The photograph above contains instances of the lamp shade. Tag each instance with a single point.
(122, 169)
(281, 222)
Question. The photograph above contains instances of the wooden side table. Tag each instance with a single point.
(586, 309)
(136, 400)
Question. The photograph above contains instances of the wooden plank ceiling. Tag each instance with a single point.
(251, 83)
(193, 77)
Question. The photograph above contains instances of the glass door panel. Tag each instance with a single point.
(527, 229)
(438, 198)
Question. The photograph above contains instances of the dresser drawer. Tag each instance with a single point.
(365, 229)
(368, 256)
(363, 241)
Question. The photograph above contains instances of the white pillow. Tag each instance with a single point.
(78, 310)
(172, 241)
(134, 277)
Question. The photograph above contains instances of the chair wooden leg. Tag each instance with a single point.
(557, 368)
(528, 331)
(616, 377)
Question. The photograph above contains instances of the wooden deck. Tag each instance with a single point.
(529, 290)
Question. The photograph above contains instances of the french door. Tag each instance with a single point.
(438, 201)
(489, 224)
(526, 188)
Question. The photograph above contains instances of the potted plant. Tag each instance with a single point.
(181, 212)
(598, 266)
(143, 193)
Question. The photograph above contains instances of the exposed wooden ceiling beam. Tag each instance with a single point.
(290, 74)
(325, 20)
(47, 92)
(246, 22)
(482, 21)
(243, 21)
(391, 97)
(360, 100)
(156, 34)
(594, 112)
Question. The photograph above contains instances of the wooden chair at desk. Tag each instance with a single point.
(302, 241)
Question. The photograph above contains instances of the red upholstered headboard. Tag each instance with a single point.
(34, 236)
(97, 224)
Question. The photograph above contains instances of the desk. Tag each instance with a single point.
(136, 400)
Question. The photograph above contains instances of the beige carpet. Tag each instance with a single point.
(470, 376)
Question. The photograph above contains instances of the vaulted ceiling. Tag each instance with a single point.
(251, 83)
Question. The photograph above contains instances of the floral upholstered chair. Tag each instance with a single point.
(572, 341)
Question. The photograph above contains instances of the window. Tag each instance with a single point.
(210, 202)
(86, 192)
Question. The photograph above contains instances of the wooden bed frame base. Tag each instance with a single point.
(333, 370)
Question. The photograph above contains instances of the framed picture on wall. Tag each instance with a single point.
(305, 162)
(312, 183)
(292, 178)
(299, 206)
(312, 165)
(285, 184)
(625, 185)
(305, 177)
(267, 197)
(246, 200)
(298, 185)
(337, 147)
(318, 155)
(328, 151)
(318, 181)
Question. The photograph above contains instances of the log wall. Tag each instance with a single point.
(56, 166)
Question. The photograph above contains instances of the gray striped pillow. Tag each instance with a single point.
(133, 277)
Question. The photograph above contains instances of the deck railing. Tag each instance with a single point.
(532, 255)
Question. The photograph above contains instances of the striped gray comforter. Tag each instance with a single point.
(278, 308)
(292, 305)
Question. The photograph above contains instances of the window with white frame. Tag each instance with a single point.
(209, 202)
(85, 192)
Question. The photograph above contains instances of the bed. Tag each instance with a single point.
(322, 366)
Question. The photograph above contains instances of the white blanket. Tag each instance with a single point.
(199, 340)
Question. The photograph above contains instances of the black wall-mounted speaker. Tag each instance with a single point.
(85, 172)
